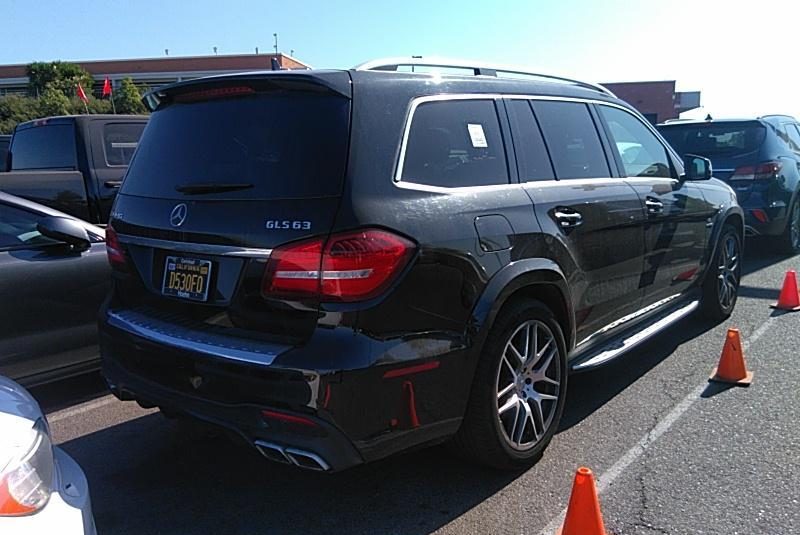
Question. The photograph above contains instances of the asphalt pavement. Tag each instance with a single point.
(673, 454)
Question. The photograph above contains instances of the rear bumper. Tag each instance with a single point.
(340, 417)
(765, 210)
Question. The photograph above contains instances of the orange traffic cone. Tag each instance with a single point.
(583, 511)
(731, 368)
(789, 298)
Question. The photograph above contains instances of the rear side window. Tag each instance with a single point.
(455, 143)
(119, 142)
(532, 157)
(264, 146)
(715, 139)
(641, 152)
(794, 136)
(44, 147)
(572, 139)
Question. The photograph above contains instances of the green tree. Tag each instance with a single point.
(16, 109)
(54, 102)
(127, 98)
(60, 75)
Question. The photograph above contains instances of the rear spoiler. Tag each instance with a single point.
(333, 82)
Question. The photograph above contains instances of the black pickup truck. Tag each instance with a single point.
(74, 164)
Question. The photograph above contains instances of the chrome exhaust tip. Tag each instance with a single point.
(299, 458)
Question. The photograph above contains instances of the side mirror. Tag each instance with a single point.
(65, 230)
(696, 167)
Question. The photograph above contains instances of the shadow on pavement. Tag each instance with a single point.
(69, 392)
(147, 476)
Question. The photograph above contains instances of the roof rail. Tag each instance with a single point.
(777, 115)
(477, 68)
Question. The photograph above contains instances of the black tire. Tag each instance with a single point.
(721, 285)
(789, 241)
(484, 435)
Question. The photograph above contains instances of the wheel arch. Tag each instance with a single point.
(734, 217)
(536, 278)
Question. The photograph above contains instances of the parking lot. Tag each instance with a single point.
(674, 454)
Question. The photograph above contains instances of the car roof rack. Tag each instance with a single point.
(477, 68)
(770, 115)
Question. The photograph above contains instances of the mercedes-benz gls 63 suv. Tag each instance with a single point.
(340, 265)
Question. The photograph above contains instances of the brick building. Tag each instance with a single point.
(657, 101)
(154, 72)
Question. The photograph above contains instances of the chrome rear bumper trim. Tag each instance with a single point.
(201, 248)
(211, 344)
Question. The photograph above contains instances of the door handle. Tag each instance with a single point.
(567, 217)
(112, 183)
(654, 207)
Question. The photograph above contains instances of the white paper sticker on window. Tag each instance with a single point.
(477, 136)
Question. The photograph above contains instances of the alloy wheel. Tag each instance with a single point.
(794, 230)
(728, 271)
(528, 384)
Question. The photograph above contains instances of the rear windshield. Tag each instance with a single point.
(270, 145)
(714, 139)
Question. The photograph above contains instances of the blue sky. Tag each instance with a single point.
(740, 56)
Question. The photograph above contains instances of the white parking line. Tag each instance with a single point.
(610, 475)
(80, 409)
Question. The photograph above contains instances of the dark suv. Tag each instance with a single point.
(760, 159)
(340, 265)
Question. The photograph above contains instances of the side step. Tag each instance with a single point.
(617, 346)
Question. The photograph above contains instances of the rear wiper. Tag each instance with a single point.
(199, 189)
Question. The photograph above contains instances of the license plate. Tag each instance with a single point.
(187, 278)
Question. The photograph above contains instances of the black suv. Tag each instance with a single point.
(760, 159)
(340, 265)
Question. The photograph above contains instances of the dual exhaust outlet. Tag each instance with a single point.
(299, 458)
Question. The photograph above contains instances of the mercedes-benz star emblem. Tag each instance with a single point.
(178, 215)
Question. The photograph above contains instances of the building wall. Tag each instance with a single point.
(654, 100)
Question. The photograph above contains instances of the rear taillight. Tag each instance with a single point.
(116, 256)
(764, 171)
(348, 267)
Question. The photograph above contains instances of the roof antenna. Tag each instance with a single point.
(709, 118)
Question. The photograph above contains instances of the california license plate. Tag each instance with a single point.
(187, 278)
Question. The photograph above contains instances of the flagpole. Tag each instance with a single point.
(113, 106)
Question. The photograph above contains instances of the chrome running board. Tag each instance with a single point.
(617, 346)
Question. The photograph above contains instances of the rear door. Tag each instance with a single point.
(595, 218)
(50, 297)
(677, 215)
(223, 174)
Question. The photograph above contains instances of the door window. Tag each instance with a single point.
(794, 137)
(532, 158)
(119, 142)
(43, 147)
(572, 139)
(18, 229)
(455, 143)
(640, 151)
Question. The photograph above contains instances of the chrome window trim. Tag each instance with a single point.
(415, 103)
(200, 248)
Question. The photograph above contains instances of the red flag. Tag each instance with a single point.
(106, 88)
(82, 95)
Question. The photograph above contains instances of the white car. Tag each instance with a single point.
(42, 489)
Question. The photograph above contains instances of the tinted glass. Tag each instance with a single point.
(120, 140)
(532, 157)
(18, 228)
(3, 152)
(284, 145)
(641, 152)
(794, 136)
(572, 139)
(455, 143)
(44, 147)
(715, 139)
